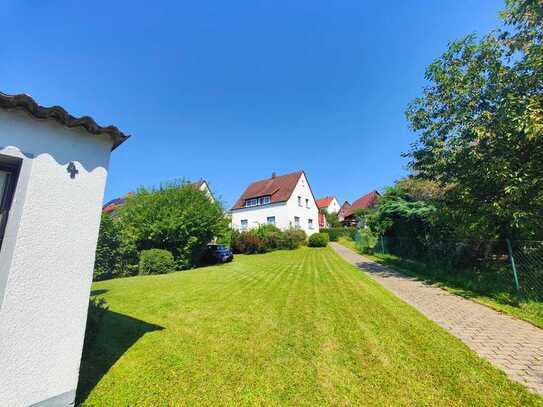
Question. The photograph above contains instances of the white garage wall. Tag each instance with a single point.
(47, 257)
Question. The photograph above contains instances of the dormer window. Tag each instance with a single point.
(263, 200)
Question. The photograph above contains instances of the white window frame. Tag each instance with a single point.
(307, 203)
(270, 220)
(310, 224)
(244, 224)
(299, 201)
(296, 221)
(262, 200)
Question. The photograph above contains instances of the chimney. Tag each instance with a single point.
(273, 175)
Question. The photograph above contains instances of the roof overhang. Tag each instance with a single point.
(59, 114)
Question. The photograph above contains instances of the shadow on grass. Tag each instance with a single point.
(98, 292)
(117, 334)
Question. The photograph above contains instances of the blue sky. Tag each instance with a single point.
(231, 91)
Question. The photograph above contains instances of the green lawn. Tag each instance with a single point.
(285, 328)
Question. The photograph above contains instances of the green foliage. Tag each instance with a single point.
(366, 241)
(108, 249)
(332, 220)
(156, 261)
(248, 242)
(295, 238)
(318, 240)
(177, 217)
(266, 238)
(336, 233)
(480, 122)
(96, 311)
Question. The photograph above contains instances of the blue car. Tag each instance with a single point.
(218, 253)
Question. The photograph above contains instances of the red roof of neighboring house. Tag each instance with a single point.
(365, 202)
(324, 202)
(279, 188)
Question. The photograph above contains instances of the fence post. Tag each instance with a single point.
(513, 264)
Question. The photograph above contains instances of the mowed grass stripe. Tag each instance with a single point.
(286, 328)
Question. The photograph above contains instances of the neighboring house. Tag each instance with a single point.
(284, 201)
(347, 212)
(344, 211)
(327, 204)
(111, 206)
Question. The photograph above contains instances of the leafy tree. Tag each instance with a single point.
(480, 122)
(176, 217)
(332, 220)
(108, 249)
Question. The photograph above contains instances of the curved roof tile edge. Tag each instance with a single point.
(58, 113)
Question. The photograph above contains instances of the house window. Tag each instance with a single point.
(270, 220)
(310, 223)
(306, 203)
(299, 201)
(244, 224)
(263, 200)
(296, 222)
(8, 180)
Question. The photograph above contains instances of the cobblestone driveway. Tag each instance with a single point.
(510, 344)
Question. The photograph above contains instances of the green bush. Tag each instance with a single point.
(97, 310)
(266, 238)
(366, 241)
(156, 261)
(294, 238)
(108, 250)
(319, 240)
(336, 233)
(176, 217)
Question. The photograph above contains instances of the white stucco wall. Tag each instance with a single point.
(47, 257)
(303, 190)
(333, 207)
(284, 212)
(257, 215)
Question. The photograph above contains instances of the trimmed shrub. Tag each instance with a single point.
(156, 261)
(249, 243)
(336, 233)
(319, 240)
(294, 238)
(266, 238)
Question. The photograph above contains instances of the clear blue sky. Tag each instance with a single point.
(230, 91)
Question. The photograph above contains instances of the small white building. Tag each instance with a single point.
(285, 201)
(328, 204)
(53, 170)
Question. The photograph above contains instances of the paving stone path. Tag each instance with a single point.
(508, 343)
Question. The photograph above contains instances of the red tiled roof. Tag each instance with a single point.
(365, 202)
(324, 202)
(279, 188)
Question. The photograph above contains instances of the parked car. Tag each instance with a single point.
(218, 253)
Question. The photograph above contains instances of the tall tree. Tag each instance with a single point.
(480, 124)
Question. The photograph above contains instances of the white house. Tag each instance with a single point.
(283, 200)
(328, 204)
(53, 170)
